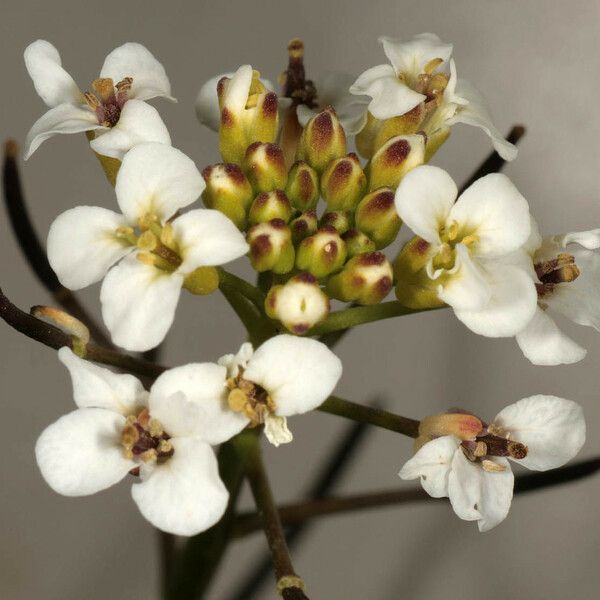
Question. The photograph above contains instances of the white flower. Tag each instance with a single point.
(162, 436)
(539, 432)
(286, 376)
(422, 73)
(470, 240)
(139, 295)
(567, 275)
(116, 111)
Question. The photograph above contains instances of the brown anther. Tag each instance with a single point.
(480, 449)
(561, 269)
(104, 88)
(124, 85)
(517, 450)
(91, 100)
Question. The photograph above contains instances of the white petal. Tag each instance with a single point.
(478, 495)
(411, 57)
(97, 387)
(81, 454)
(432, 464)
(512, 304)
(237, 89)
(587, 239)
(424, 199)
(53, 84)
(134, 60)
(138, 123)
(276, 430)
(82, 245)
(476, 113)
(155, 178)
(493, 209)
(138, 303)
(64, 118)
(191, 401)
(233, 362)
(207, 103)
(553, 429)
(543, 343)
(207, 238)
(184, 495)
(298, 373)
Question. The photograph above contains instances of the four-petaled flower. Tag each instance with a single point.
(466, 460)
(115, 111)
(469, 242)
(159, 251)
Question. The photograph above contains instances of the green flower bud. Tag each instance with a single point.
(343, 183)
(265, 167)
(322, 140)
(376, 217)
(299, 304)
(394, 159)
(366, 279)
(339, 220)
(268, 206)
(322, 253)
(414, 288)
(304, 225)
(271, 247)
(202, 281)
(302, 186)
(227, 190)
(357, 242)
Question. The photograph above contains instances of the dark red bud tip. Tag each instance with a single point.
(300, 226)
(260, 246)
(422, 246)
(300, 328)
(252, 148)
(305, 278)
(207, 172)
(305, 184)
(273, 153)
(396, 153)
(227, 119)
(382, 201)
(269, 107)
(351, 234)
(371, 259)
(311, 213)
(221, 85)
(384, 285)
(234, 172)
(277, 223)
(328, 228)
(322, 130)
(354, 157)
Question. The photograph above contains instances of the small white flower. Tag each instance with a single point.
(162, 436)
(286, 376)
(116, 111)
(539, 432)
(470, 240)
(139, 295)
(422, 73)
(567, 275)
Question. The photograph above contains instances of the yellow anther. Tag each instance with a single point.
(149, 456)
(452, 231)
(155, 428)
(165, 447)
(148, 241)
(237, 400)
(480, 449)
(104, 88)
(126, 234)
(167, 235)
(432, 65)
(470, 240)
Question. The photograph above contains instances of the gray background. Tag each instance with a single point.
(538, 63)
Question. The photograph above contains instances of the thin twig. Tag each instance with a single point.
(32, 248)
(247, 523)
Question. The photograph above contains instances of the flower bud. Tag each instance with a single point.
(322, 253)
(414, 288)
(394, 160)
(339, 220)
(357, 242)
(265, 167)
(377, 218)
(366, 279)
(202, 281)
(299, 304)
(343, 183)
(271, 247)
(268, 206)
(228, 191)
(461, 425)
(322, 140)
(304, 225)
(302, 187)
(248, 113)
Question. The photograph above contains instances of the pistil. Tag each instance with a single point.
(143, 437)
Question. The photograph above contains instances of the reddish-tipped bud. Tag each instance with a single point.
(268, 206)
(394, 159)
(462, 426)
(271, 247)
(357, 242)
(265, 167)
(339, 220)
(304, 225)
(302, 186)
(322, 253)
(366, 279)
(343, 183)
(377, 218)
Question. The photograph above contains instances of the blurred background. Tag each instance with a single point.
(537, 62)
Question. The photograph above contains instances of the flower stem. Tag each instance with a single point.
(245, 288)
(370, 415)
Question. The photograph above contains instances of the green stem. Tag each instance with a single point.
(370, 415)
(245, 288)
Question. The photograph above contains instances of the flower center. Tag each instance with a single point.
(107, 99)
(428, 82)
(250, 399)
(492, 442)
(144, 439)
(561, 269)
(450, 236)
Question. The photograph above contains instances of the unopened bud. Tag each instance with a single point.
(343, 183)
(462, 426)
(271, 247)
(302, 186)
(376, 217)
(228, 191)
(268, 206)
(304, 225)
(202, 281)
(366, 279)
(322, 253)
(357, 242)
(299, 304)
(265, 167)
(394, 160)
(339, 220)
(67, 323)
(322, 141)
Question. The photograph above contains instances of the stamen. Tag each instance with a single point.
(91, 100)
(561, 269)
(432, 65)
(491, 467)
(143, 438)
(104, 88)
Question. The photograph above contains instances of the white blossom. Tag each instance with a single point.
(115, 111)
(154, 252)
(539, 432)
(471, 238)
